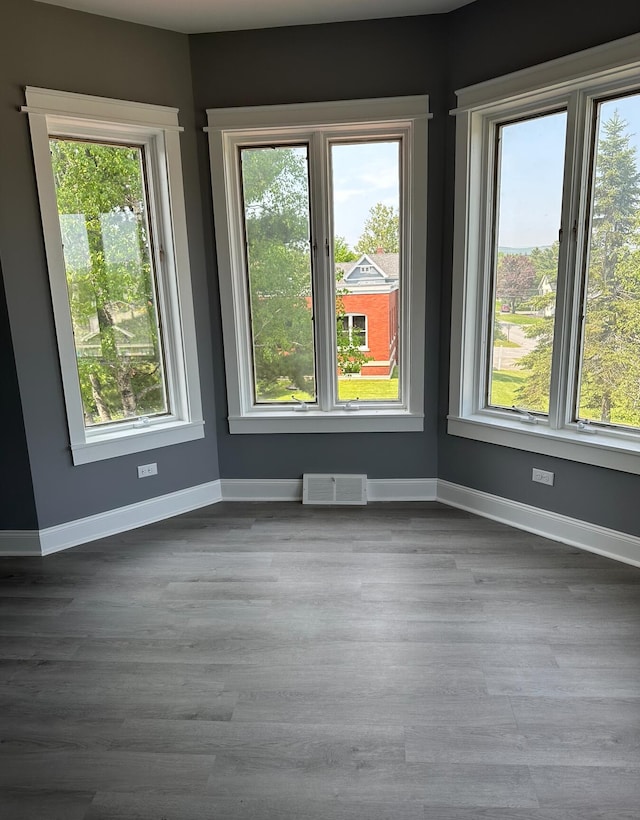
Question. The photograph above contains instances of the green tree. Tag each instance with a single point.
(276, 207)
(341, 250)
(533, 393)
(101, 205)
(545, 263)
(515, 280)
(610, 373)
(381, 230)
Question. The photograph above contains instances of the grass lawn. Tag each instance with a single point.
(518, 319)
(504, 385)
(367, 389)
(364, 389)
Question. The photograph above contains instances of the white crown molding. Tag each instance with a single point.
(607, 542)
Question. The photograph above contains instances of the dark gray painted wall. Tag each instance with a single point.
(17, 504)
(47, 46)
(435, 55)
(487, 39)
(309, 64)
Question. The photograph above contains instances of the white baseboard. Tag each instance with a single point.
(285, 489)
(261, 489)
(610, 543)
(591, 537)
(402, 489)
(112, 522)
(20, 542)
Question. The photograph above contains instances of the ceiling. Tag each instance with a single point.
(197, 16)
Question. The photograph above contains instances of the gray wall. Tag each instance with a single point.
(56, 48)
(487, 39)
(17, 504)
(47, 46)
(309, 64)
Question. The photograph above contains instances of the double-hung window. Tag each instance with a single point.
(299, 192)
(110, 186)
(546, 320)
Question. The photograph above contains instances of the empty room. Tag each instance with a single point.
(320, 357)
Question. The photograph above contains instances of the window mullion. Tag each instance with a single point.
(566, 325)
(323, 284)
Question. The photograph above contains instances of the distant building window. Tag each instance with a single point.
(355, 327)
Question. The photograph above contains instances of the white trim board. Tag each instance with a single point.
(591, 537)
(20, 542)
(112, 522)
(290, 489)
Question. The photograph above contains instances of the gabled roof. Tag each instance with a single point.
(386, 265)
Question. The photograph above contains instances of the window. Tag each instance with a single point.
(355, 329)
(545, 342)
(301, 193)
(109, 182)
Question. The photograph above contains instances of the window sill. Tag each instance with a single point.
(616, 452)
(135, 440)
(339, 421)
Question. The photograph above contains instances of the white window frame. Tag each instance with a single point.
(575, 83)
(57, 113)
(404, 118)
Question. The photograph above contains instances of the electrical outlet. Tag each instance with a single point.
(542, 477)
(145, 470)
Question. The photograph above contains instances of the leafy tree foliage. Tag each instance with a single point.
(613, 285)
(545, 263)
(276, 202)
(610, 375)
(381, 230)
(101, 204)
(516, 279)
(341, 250)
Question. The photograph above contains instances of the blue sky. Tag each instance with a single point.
(363, 174)
(531, 181)
(531, 178)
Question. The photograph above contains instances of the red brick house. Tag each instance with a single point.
(371, 306)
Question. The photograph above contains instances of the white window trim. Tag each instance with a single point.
(573, 82)
(227, 128)
(60, 113)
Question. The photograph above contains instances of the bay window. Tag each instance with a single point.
(110, 189)
(299, 191)
(546, 321)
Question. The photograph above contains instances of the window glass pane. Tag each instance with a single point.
(102, 207)
(275, 184)
(530, 158)
(366, 252)
(609, 382)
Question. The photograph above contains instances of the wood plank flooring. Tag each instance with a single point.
(280, 662)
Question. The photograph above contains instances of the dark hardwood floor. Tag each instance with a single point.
(280, 662)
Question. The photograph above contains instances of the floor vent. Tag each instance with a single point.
(333, 488)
